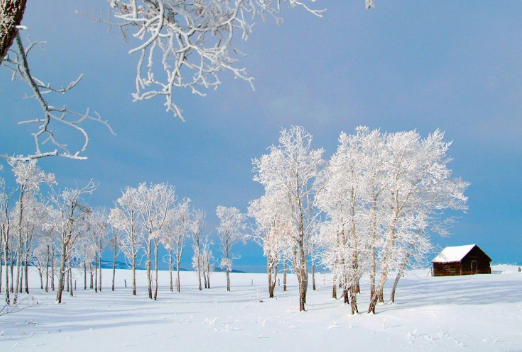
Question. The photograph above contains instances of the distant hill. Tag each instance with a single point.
(107, 264)
(219, 270)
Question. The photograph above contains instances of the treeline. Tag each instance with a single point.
(59, 231)
(370, 209)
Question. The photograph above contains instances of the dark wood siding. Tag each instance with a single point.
(446, 269)
(476, 262)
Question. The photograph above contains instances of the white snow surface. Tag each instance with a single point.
(467, 313)
(453, 254)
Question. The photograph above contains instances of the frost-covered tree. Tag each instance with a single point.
(231, 230)
(125, 217)
(35, 216)
(291, 169)
(419, 188)
(28, 178)
(6, 233)
(272, 231)
(346, 237)
(98, 225)
(196, 227)
(175, 233)
(115, 246)
(207, 259)
(69, 219)
(153, 203)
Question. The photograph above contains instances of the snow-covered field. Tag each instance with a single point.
(472, 313)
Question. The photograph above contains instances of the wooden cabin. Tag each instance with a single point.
(461, 260)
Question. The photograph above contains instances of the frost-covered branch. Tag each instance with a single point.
(17, 62)
(193, 40)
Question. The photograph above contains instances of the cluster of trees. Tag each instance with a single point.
(60, 231)
(368, 210)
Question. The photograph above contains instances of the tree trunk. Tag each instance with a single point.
(149, 276)
(269, 272)
(21, 280)
(91, 283)
(401, 271)
(96, 272)
(272, 278)
(313, 277)
(228, 279)
(84, 275)
(71, 279)
(208, 274)
(6, 259)
(199, 271)
(40, 271)
(12, 272)
(26, 277)
(334, 287)
(101, 276)
(346, 298)
(156, 270)
(178, 282)
(61, 274)
(113, 268)
(67, 280)
(353, 299)
(134, 275)
(170, 272)
(18, 283)
(52, 270)
(284, 276)
(47, 271)
(11, 12)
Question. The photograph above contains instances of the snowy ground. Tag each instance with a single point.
(473, 313)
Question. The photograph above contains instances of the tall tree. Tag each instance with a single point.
(291, 169)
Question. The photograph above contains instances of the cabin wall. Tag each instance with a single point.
(483, 263)
(446, 269)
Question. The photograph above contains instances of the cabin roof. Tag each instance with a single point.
(453, 254)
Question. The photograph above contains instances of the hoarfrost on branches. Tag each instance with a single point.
(193, 40)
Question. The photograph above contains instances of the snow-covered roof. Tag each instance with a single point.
(452, 254)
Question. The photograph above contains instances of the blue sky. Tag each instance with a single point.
(404, 65)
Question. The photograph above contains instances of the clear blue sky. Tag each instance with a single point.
(404, 65)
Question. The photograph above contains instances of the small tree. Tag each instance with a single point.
(124, 217)
(196, 226)
(231, 231)
(176, 231)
